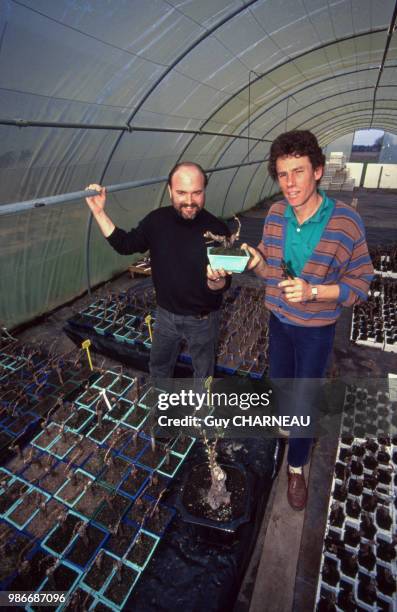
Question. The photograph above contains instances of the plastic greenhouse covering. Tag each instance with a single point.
(240, 71)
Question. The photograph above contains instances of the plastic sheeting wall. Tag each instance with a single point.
(246, 67)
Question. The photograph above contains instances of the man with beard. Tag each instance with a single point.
(188, 301)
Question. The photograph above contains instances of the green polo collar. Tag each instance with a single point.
(318, 215)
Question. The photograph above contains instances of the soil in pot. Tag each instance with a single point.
(79, 601)
(119, 586)
(27, 507)
(100, 432)
(44, 519)
(136, 416)
(152, 458)
(349, 565)
(74, 487)
(133, 447)
(112, 511)
(10, 496)
(55, 478)
(67, 441)
(140, 509)
(79, 417)
(60, 538)
(114, 473)
(158, 521)
(31, 576)
(96, 462)
(340, 492)
(120, 385)
(156, 485)
(119, 409)
(119, 544)
(170, 464)
(99, 572)
(352, 536)
(141, 549)
(367, 527)
(385, 551)
(89, 503)
(199, 483)
(330, 572)
(63, 578)
(48, 436)
(83, 550)
(134, 481)
(233, 251)
(61, 414)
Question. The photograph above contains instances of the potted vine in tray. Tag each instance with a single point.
(226, 255)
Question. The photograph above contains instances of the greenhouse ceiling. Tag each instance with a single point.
(112, 91)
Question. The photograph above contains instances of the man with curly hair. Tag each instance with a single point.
(314, 259)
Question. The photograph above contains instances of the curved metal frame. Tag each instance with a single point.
(139, 106)
(306, 122)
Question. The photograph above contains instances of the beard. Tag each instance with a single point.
(187, 207)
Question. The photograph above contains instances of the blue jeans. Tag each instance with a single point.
(200, 333)
(299, 353)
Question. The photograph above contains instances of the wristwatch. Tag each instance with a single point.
(314, 293)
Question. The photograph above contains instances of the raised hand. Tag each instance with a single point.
(96, 203)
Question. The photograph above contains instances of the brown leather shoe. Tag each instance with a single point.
(297, 490)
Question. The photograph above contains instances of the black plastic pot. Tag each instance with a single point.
(216, 530)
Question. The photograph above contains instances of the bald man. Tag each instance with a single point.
(188, 300)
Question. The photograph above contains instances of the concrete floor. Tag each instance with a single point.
(283, 572)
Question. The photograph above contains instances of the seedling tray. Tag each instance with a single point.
(133, 447)
(88, 398)
(100, 433)
(89, 504)
(150, 399)
(26, 508)
(135, 482)
(121, 385)
(118, 544)
(60, 538)
(64, 444)
(112, 510)
(182, 445)
(79, 420)
(45, 439)
(80, 553)
(117, 590)
(142, 550)
(73, 489)
(171, 465)
(64, 579)
(95, 577)
(135, 417)
(114, 474)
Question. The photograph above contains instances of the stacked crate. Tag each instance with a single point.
(336, 175)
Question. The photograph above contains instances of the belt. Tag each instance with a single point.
(203, 315)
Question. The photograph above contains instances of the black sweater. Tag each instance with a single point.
(178, 258)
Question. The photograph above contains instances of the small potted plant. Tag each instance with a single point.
(226, 255)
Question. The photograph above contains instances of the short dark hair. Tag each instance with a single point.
(188, 164)
(296, 143)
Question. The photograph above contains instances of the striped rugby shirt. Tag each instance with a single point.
(341, 257)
